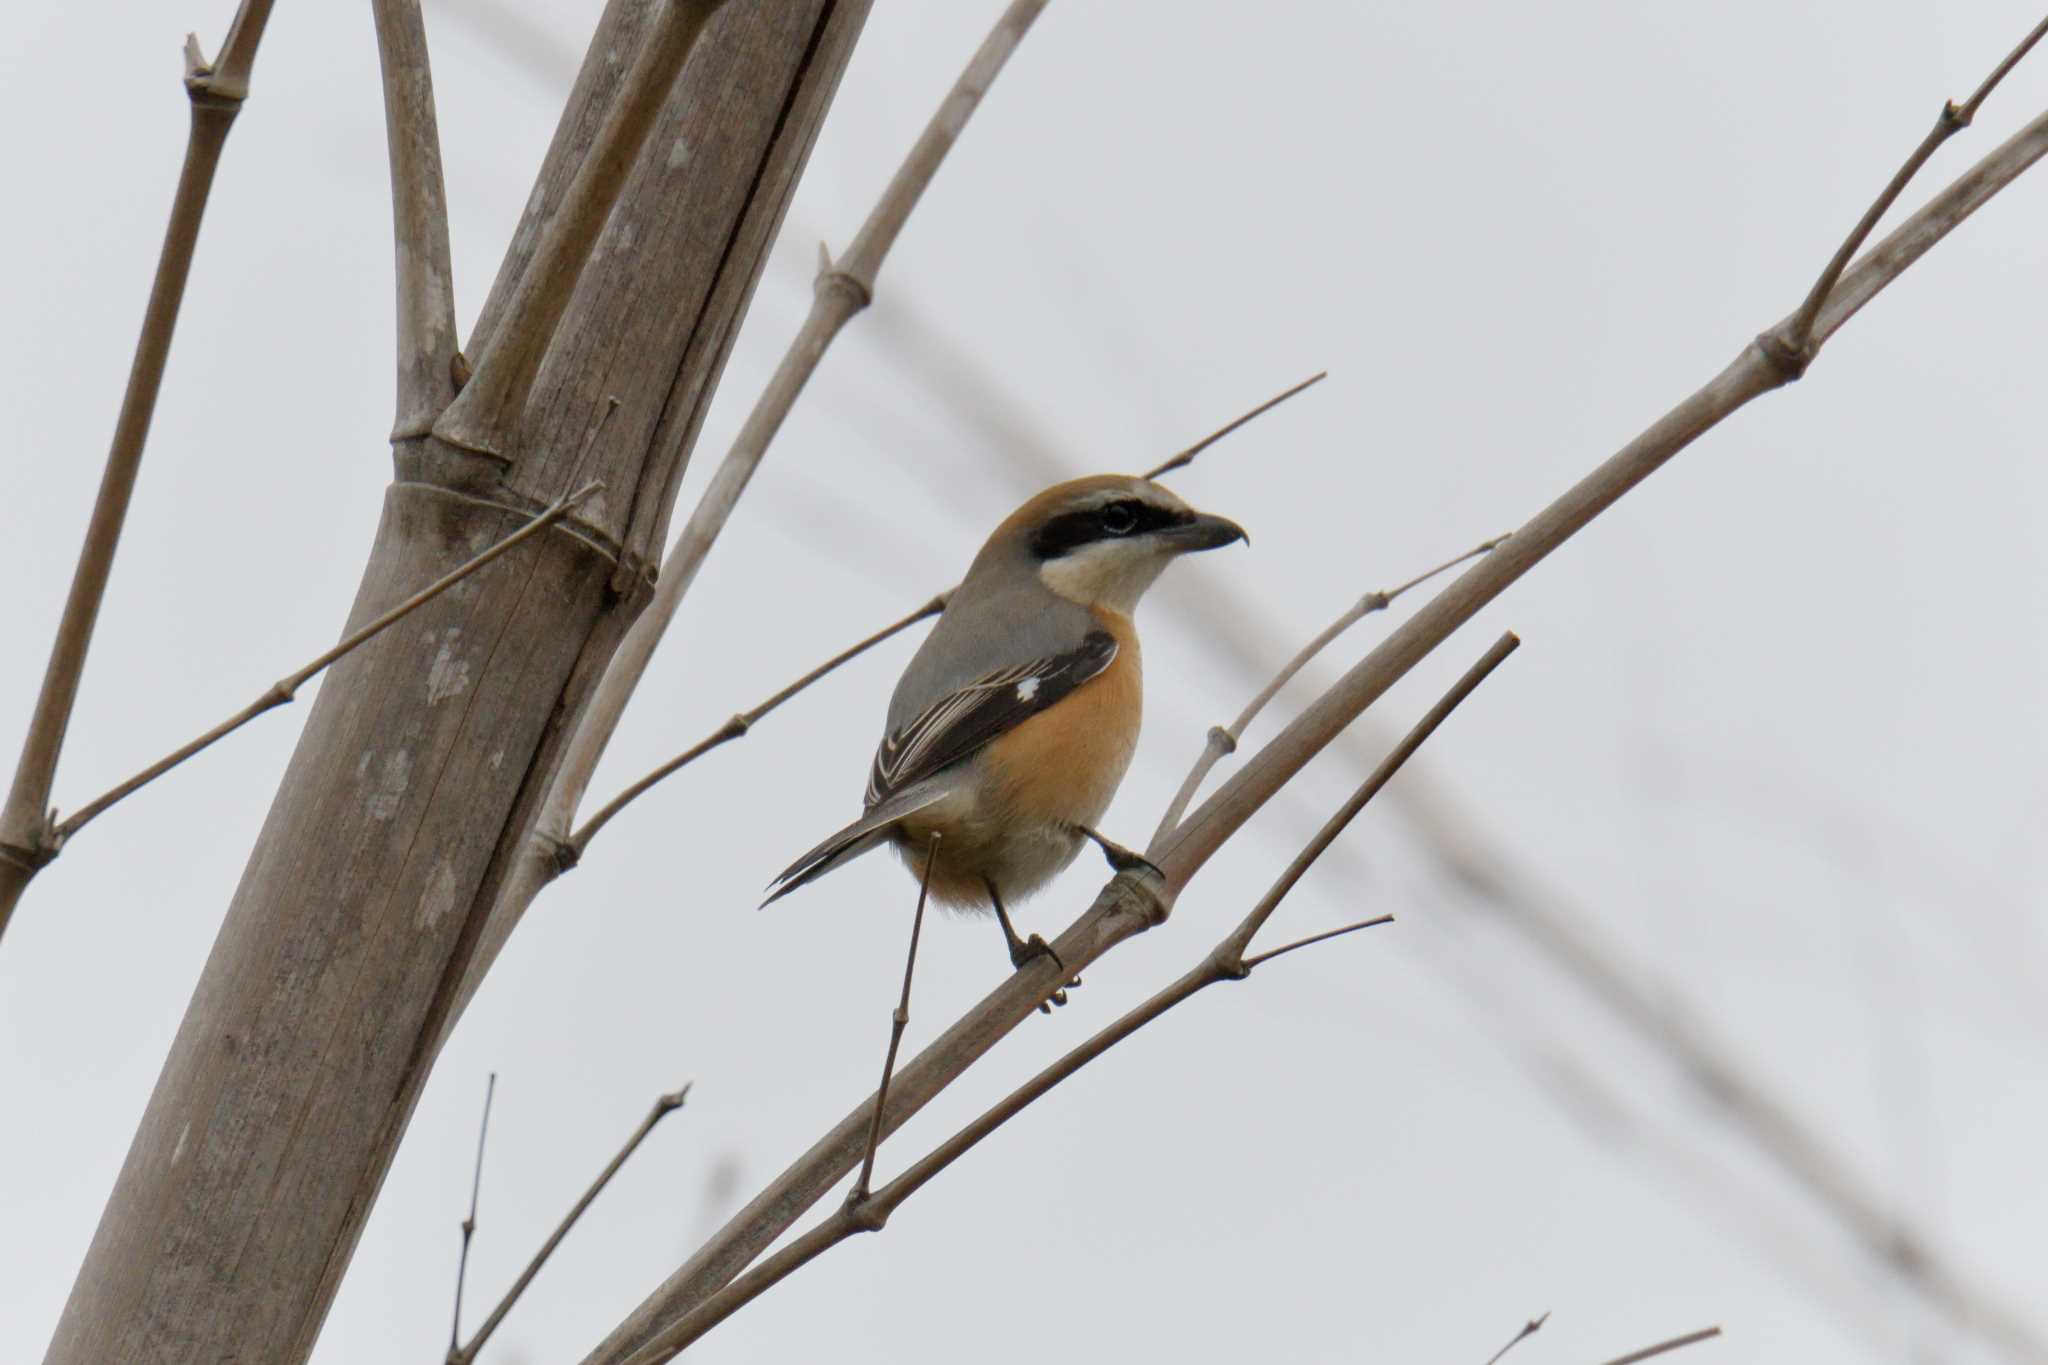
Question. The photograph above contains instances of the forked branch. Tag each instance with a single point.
(215, 93)
(1791, 345)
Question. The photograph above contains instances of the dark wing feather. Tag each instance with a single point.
(959, 723)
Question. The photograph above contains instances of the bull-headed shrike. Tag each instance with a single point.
(1016, 720)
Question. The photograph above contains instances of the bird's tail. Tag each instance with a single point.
(868, 832)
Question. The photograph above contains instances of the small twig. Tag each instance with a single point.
(1790, 346)
(1223, 740)
(476, 1185)
(899, 1018)
(1311, 940)
(483, 415)
(1689, 1339)
(741, 725)
(215, 94)
(419, 221)
(1529, 1329)
(663, 1106)
(1187, 457)
(285, 689)
(1224, 962)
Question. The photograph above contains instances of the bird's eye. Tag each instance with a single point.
(1119, 519)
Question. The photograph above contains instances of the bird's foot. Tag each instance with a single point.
(1023, 952)
(1027, 950)
(1120, 858)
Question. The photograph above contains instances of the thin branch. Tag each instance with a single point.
(1529, 1329)
(476, 1186)
(740, 725)
(1187, 457)
(663, 1106)
(1791, 345)
(899, 1018)
(1224, 962)
(419, 221)
(1131, 904)
(285, 689)
(1689, 1339)
(1313, 939)
(483, 416)
(1223, 741)
(215, 94)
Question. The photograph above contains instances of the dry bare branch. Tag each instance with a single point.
(215, 94)
(739, 726)
(664, 1105)
(424, 271)
(1529, 1329)
(1788, 345)
(286, 689)
(1187, 457)
(840, 291)
(1226, 961)
(1689, 1339)
(1223, 740)
(899, 1019)
(484, 414)
(1130, 903)
(476, 1189)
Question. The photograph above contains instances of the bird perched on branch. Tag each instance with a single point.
(1014, 723)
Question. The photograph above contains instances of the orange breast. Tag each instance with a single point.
(1065, 763)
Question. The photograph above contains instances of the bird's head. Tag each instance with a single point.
(1102, 541)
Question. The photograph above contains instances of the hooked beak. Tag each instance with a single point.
(1203, 533)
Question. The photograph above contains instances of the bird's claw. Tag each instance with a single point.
(1031, 949)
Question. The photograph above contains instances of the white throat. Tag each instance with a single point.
(1108, 573)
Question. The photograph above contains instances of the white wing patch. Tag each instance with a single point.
(1027, 689)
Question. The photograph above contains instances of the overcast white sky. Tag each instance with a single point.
(1775, 738)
